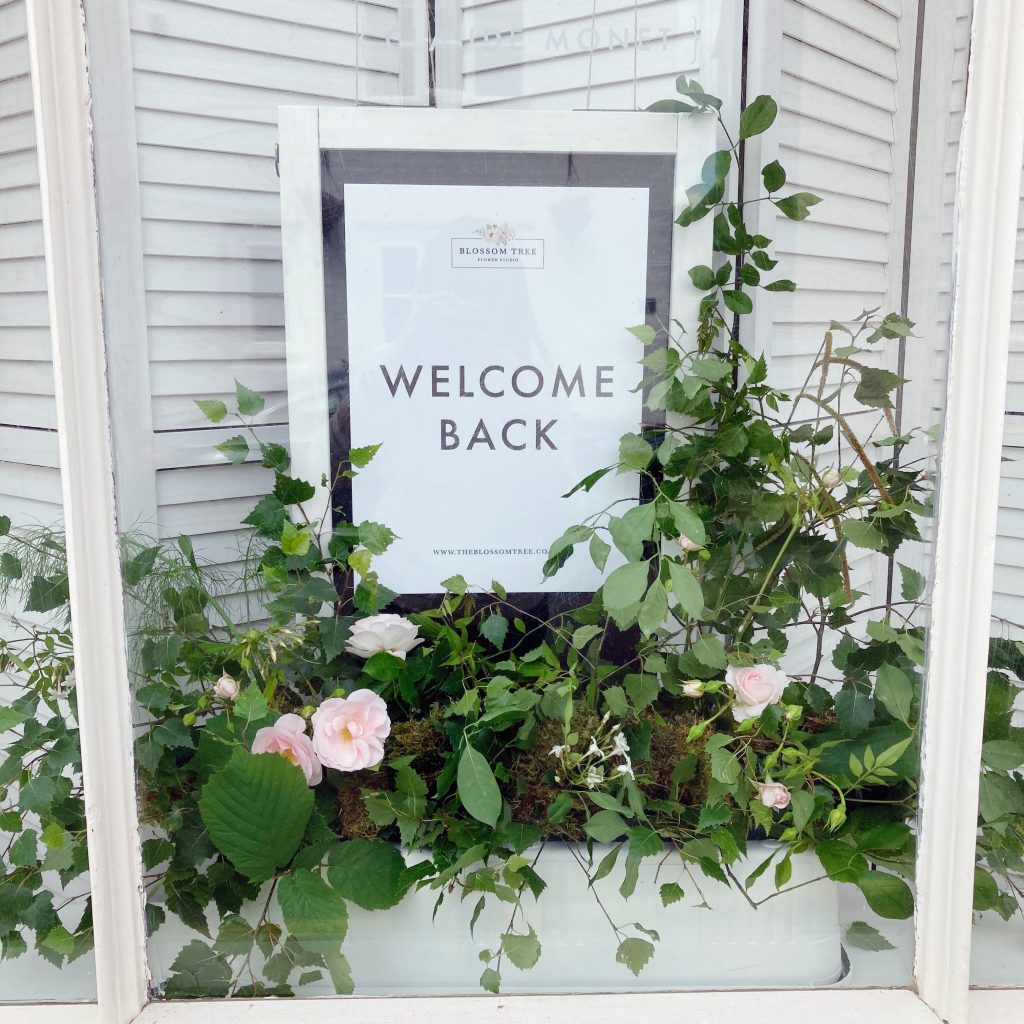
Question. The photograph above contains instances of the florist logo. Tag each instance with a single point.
(496, 245)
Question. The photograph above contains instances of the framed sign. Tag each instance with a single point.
(458, 290)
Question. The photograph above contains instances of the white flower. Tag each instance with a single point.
(626, 769)
(226, 688)
(620, 744)
(593, 778)
(755, 687)
(392, 633)
(595, 749)
(693, 688)
(830, 478)
(558, 750)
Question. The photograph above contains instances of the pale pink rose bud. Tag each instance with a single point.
(693, 689)
(226, 688)
(349, 732)
(830, 478)
(287, 737)
(688, 545)
(773, 794)
(754, 688)
(387, 632)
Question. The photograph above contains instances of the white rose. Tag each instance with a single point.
(830, 478)
(755, 688)
(388, 632)
(226, 688)
(693, 689)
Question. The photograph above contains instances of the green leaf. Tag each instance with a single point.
(710, 651)
(455, 585)
(894, 691)
(863, 534)
(375, 537)
(737, 301)
(234, 449)
(212, 408)
(290, 491)
(249, 403)
(5, 525)
(864, 936)
(198, 971)
(688, 523)
(855, 711)
(46, 593)
(522, 950)
(316, 916)
(333, 634)
(10, 566)
(268, 517)
(875, 387)
(802, 803)
(999, 755)
(671, 892)
(362, 457)
(625, 586)
(9, 717)
(341, 973)
(477, 787)
(758, 117)
(687, 590)
(773, 175)
(275, 456)
(251, 705)
(644, 333)
(295, 540)
(631, 530)
(256, 809)
(986, 891)
(654, 609)
(781, 285)
(383, 666)
(605, 827)
(797, 206)
(634, 452)
(600, 549)
(368, 872)
(495, 629)
(913, 583)
(490, 980)
(1000, 797)
(887, 895)
(22, 853)
(702, 277)
(635, 954)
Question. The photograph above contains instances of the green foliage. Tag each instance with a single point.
(616, 722)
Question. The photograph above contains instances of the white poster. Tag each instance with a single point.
(489, 356)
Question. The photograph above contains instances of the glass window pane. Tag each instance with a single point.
(737, 719)
(45, 915)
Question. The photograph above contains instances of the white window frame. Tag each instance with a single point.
(988, 191)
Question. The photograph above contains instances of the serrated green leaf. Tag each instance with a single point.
(863, 936)
(316, 916)
(249, 402)
(522, 950)
(212, 408)
(234, 449)
(368, 872)
(635, 954)
(256, 809)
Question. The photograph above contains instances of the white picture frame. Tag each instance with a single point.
(307, 132)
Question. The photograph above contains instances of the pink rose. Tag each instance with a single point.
(773, 794)
(349, 732)
(755, 688)
(287, 737)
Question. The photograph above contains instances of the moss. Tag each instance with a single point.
(420, 739)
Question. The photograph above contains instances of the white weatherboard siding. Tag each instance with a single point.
(208, 78)
(29, 465)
